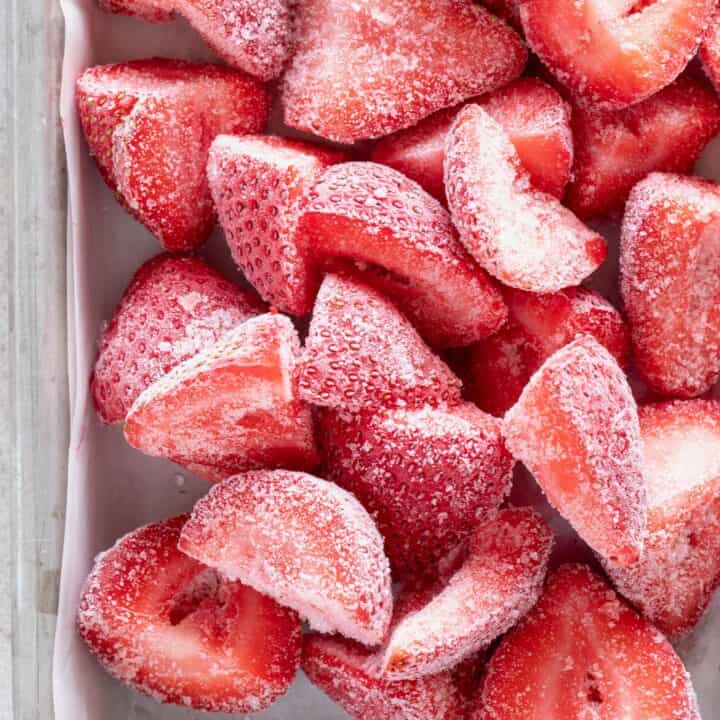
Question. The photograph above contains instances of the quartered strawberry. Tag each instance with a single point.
(680, 566)
(149, 125)
(151, 10)
(499, 581)
(427, 476)
(176, 630)
(614, 149)
(709, 52)
(302, 540)
(575, 427)
(361, 352)
(522, 236)
(402, 66)
(401, 240)
(232, 406)
(670, 281)
(583, 653)
(615, 53)
(174, 307)
(259, 184)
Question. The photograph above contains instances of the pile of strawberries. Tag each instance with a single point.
(364, 458)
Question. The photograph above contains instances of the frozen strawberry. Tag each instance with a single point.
(499, 581)
(583, 653)
(174, 307)
(259, 185)
(670, 281)
(361, 352)
(427, 476)
(522, 236)
(233, 406)
(614, 149)
(615, 54)
(575, 427)
(680, 567)
(402, 66)
(176, 630)
(151, 10)
(302, 540)
(402, 241)
(709, 52)
(149, 125)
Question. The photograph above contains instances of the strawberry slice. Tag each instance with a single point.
(427, 476)
(403, 67)
(615, 54)
(680, 567)
(232, 406)
(361, 352)
(614, 149)
(177, 631)
(575, 427)
(302, 540)
(522, 236)
(583, 653)
(401, 240)
(174, 307)
(670, 281)
(498, 583)
(149, 125)
(151, 10)
(709, 52)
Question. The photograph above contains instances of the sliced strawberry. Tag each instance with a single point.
(615, 54)
(522, 236)
(575, 427)
(616, 149)
(709, 52)
(403, 67)
(174, 307)
(232, 406)
(302, 540)
(361, 352)
(583, 653)
(499, 581)
(670, 281)
(427, 476)
(149, 125)
(680, 567)
(402, 241)
(176, 630)
(151, 10)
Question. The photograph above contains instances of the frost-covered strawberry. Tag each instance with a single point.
(709, 52)
(151, 10)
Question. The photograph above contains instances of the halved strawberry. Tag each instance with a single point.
(522, 236)
(232, 406)
(575, 427)
(709, 52)
(583, 653)
(361, 352)
(403, 67)
(670, 281)
(615, 53)
(302, 540)
(151, 10)
(176, 630)
(174, 307)
(614, 149)
(149, 125)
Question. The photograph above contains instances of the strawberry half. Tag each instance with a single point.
(177, 631)
(302, 540)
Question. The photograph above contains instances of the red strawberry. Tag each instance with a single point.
(522, 236)
(403, 67)
(670, 281)
(614, 149)
(302, 540)
(575, 427)
(149, 124)
(361, 352)
(151, 10)
(402, 241)
(710, 51)
(583, 653)
(615, 54)
(427, 476)
(176, 630)
(232, 406)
